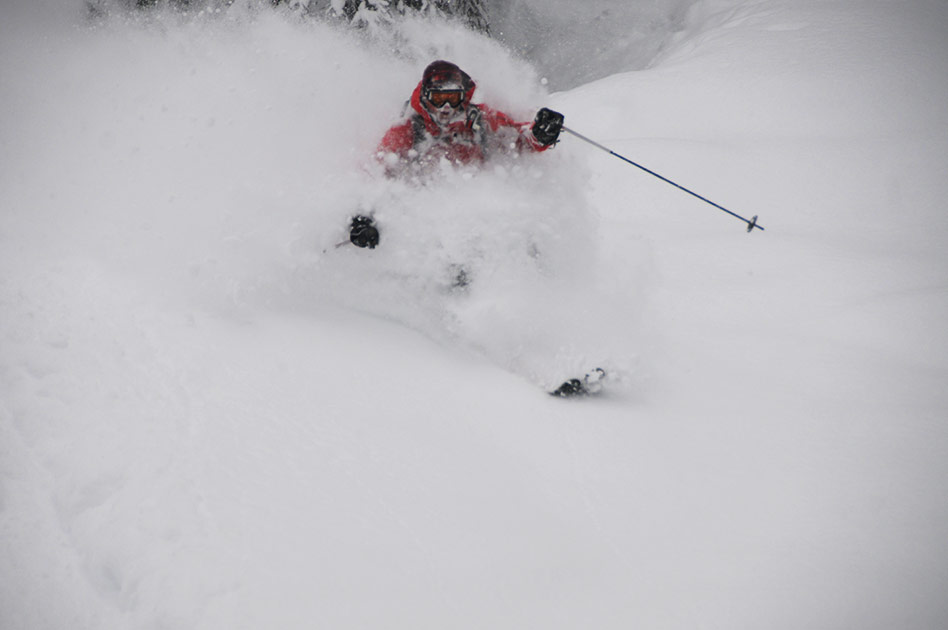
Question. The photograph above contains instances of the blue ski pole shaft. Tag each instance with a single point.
(751, 223)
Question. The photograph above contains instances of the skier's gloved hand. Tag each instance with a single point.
(363, 233)
(547, 126)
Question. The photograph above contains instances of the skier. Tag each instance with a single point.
(443, 124)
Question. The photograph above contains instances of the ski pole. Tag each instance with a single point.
(751, 224)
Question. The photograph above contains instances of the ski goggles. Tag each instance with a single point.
(438, 98)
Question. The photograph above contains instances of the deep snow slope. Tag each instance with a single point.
(210, 417)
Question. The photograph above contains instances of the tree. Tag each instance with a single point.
(471, 12)
(360, 13)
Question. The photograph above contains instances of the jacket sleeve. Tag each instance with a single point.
(398, 140)
(526, 141)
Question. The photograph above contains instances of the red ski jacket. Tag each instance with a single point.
(482, 133)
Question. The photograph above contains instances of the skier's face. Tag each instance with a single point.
(446, 105)
(446, 114)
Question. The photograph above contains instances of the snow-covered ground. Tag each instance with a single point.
(210, 417)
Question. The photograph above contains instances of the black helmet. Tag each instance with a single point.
(446, 76)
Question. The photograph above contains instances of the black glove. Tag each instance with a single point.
(547, 126)
(363, 232)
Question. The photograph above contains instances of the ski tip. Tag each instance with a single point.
(570, 389)
(573, 388)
